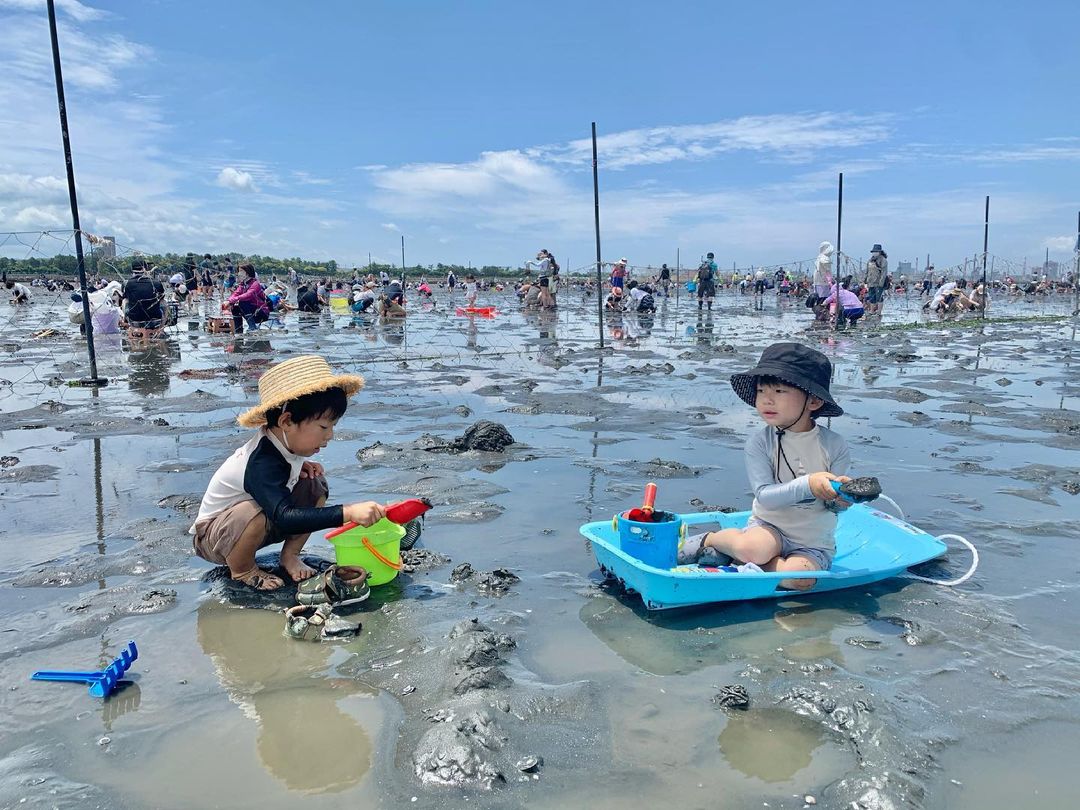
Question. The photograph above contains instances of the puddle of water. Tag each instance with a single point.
(775, 746)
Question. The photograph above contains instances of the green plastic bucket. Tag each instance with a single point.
(377, 549)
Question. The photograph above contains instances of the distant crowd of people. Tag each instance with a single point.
(149, 300)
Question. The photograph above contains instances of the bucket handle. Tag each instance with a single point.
(395, 565)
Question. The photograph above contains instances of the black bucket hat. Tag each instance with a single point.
(797, 365)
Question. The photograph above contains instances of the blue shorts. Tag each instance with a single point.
(875, 295)
(617, 282)
(818, 556)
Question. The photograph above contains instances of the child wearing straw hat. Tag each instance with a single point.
(268, 491)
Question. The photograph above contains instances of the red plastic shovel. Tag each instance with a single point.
(645, 513)
(400, 513)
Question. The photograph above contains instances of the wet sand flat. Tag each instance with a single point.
(886, 696)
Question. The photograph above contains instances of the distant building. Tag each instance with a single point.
(903, 269)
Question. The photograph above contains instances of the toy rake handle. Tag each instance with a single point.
(650, 497)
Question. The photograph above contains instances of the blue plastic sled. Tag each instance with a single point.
(870, 546)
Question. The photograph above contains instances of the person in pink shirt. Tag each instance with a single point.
(248, 301)
(851, 308)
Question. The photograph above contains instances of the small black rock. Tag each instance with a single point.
(733, 696)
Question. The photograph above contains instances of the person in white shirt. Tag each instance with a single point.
(759, 282)
(471, 290)
(20, 294)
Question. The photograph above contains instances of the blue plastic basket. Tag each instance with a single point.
(655, 544)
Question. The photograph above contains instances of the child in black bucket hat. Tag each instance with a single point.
(791, 463)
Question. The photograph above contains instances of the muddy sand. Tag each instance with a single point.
(501, 671)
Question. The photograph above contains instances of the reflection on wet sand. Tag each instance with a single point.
(770, 744)
(304, 739)
(150, 366)
(659, 643)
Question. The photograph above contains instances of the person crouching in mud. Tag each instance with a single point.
(791, 463)
(269, 491)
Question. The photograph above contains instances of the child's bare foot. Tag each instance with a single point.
(297, 568)
(259, 580)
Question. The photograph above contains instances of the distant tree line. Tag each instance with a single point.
(63, 265)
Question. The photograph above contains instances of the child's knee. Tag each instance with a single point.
(797, 563)
(258, 526)
(754, 545)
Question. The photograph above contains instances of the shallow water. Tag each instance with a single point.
(898, 695)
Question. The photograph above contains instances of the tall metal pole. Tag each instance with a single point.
(596, 208)
(87, 321)
(836, 271)
(678, 272)
(1076, 273)
(986, 244)
(403, 260)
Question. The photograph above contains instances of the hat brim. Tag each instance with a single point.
(745, 386)
(256, 417)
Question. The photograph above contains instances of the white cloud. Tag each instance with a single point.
(307, 179)
(73, 8)
(1060, 244)
(795, 137)
(1026, 154)
(236, 179)
(390, 226)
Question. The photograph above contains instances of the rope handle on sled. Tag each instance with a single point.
(958, 580)
(375, 553)
(946, 582)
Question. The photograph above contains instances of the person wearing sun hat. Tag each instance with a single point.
(791, 462)
(269, 491)
(618, 274)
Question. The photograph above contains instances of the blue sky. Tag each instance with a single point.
(329, 129)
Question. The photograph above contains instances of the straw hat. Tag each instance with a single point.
(292, 379)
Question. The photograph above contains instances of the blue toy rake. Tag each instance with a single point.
(102, 683)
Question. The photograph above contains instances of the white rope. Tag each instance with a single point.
(946, 582)
(958, 580)
(896, 506)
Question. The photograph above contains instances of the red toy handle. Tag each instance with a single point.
(401, 512)
(650, 498)
(404, 511)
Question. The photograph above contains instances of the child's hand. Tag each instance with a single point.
(821, 486)
(367, 513)
(311, 469)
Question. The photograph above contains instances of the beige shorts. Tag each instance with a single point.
(217, 537)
